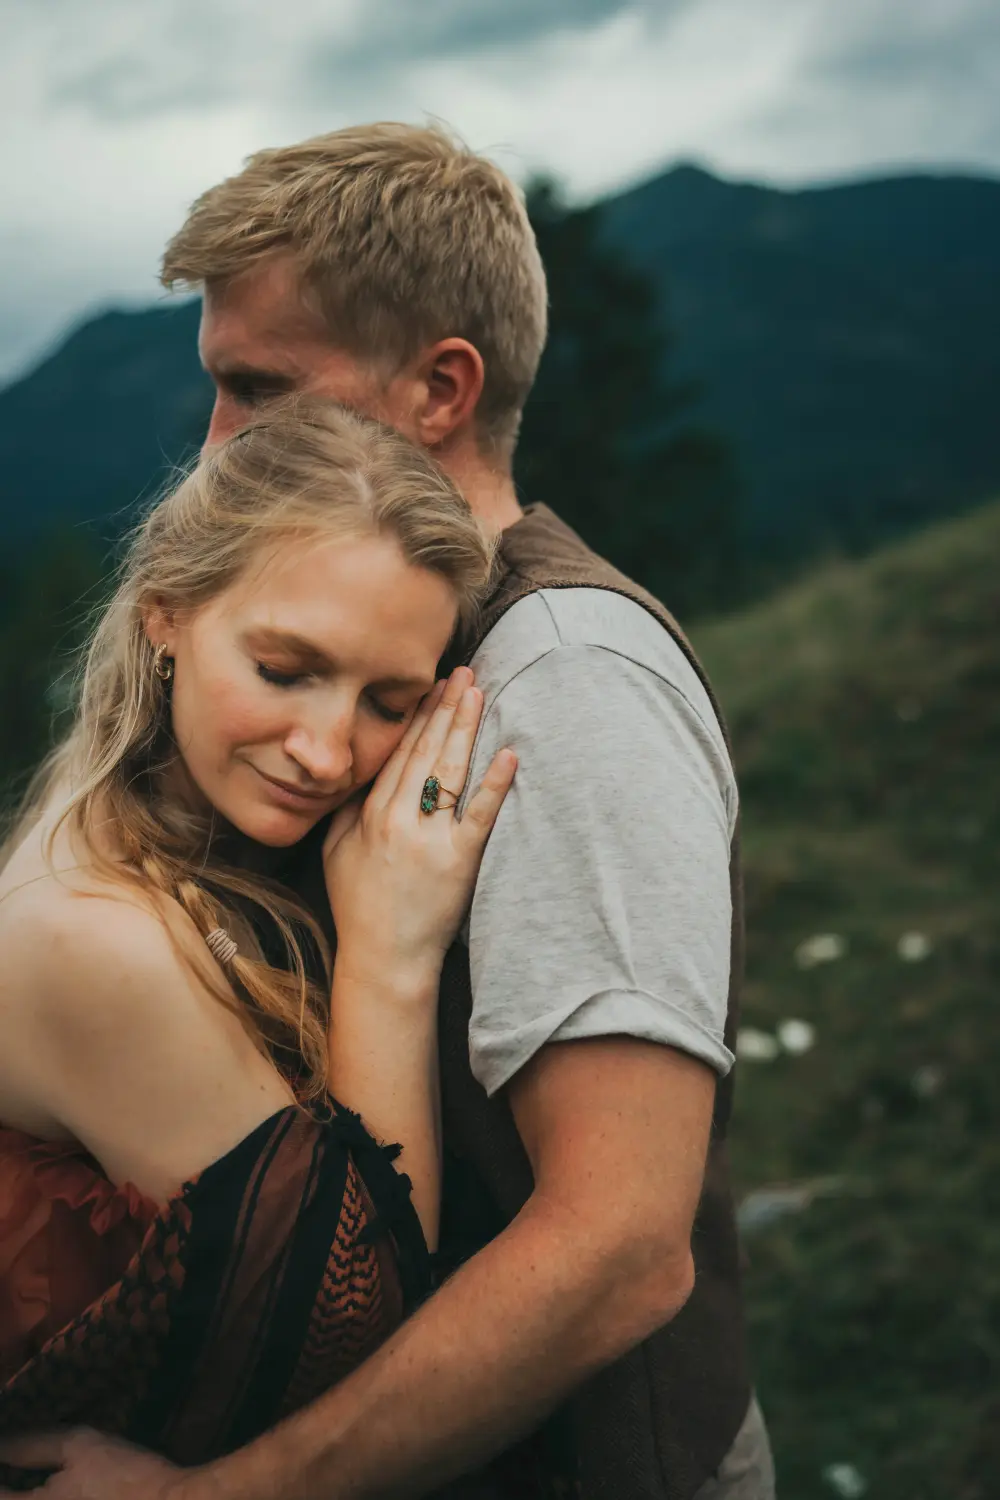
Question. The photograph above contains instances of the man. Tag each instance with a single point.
(390, 269)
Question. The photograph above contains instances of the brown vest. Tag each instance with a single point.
(657, 1424)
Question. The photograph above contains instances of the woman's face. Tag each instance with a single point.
(293, 687)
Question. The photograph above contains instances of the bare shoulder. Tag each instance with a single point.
(77, 953)
(114, 1033)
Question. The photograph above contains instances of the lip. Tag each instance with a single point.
(291, 796)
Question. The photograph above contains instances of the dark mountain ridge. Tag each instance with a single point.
(847, 340)
(846, 336)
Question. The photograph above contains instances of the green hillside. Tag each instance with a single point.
(865, 711)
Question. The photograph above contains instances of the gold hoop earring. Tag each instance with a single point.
(163, 665)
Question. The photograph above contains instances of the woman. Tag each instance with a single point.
(194, 1238)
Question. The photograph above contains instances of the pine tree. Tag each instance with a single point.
(47, 599)
(608, 438)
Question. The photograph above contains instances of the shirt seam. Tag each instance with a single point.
(552, 617)
(715, 735)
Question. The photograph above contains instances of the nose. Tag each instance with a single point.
(227, 418)
(324, 750)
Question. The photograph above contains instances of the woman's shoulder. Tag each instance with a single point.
(114, 1033)
(59, 944)
(68, 939)
(62, 915)
(81, 965)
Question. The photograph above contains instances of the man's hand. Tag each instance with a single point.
(94, 1467)
(616, 1130)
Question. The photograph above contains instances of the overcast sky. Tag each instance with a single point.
(117, 113)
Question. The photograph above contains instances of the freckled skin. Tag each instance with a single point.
(369, 629)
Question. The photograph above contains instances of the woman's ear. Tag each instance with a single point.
(450, 374)
(160, 627)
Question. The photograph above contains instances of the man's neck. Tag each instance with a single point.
(490, 492)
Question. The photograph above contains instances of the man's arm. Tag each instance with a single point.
(598, 1258)
(599, 949)
(600, 946)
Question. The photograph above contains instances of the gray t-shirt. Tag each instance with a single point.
(603, 905)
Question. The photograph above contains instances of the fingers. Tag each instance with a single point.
(35, 1450)
(482, 809)
(452, 765)
(426, 753)
(388, 778)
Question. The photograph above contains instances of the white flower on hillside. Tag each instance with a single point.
(823, 948)
(914, 947)
(927, 1081)
(766, 1205)
(756, 1046)
(845, 1480)
(796, 1036)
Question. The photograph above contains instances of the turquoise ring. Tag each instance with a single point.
(430, 797)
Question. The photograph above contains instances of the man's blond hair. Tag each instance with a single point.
(402, 237)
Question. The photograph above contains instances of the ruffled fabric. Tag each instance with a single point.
(66, 1234)
(261, 1283)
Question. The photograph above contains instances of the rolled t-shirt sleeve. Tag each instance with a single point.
(603, 903)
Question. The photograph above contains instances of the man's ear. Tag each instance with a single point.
(450, 376)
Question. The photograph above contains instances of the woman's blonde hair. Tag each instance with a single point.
(300, 472)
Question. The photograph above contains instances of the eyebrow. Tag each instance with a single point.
(309, 654)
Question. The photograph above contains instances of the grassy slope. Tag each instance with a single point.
(865, 711)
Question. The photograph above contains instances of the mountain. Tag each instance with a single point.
(102, 420)
(847, 340)
(864, 706)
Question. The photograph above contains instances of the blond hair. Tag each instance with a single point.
(296, 473)
(401, 237)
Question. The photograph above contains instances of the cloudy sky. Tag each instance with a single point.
(116, 113)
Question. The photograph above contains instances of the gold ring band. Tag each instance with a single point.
(431, 794)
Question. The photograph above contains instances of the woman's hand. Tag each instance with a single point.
(400, 880)
(94, 1467)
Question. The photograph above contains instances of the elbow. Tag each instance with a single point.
(644, 1288)
(671, 1288)
(657, 1288)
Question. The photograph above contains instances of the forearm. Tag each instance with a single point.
(508, 1337)
(383, 1065)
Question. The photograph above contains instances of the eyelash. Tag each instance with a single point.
(288, 680)
(390, 715)
(277, 678)
(248, 394)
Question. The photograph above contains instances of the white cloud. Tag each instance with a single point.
(117, 115)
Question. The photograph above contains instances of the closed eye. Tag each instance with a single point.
(391, 715)
(253, 390)
(280, 679)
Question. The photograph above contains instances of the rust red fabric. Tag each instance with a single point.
(190, 1327)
